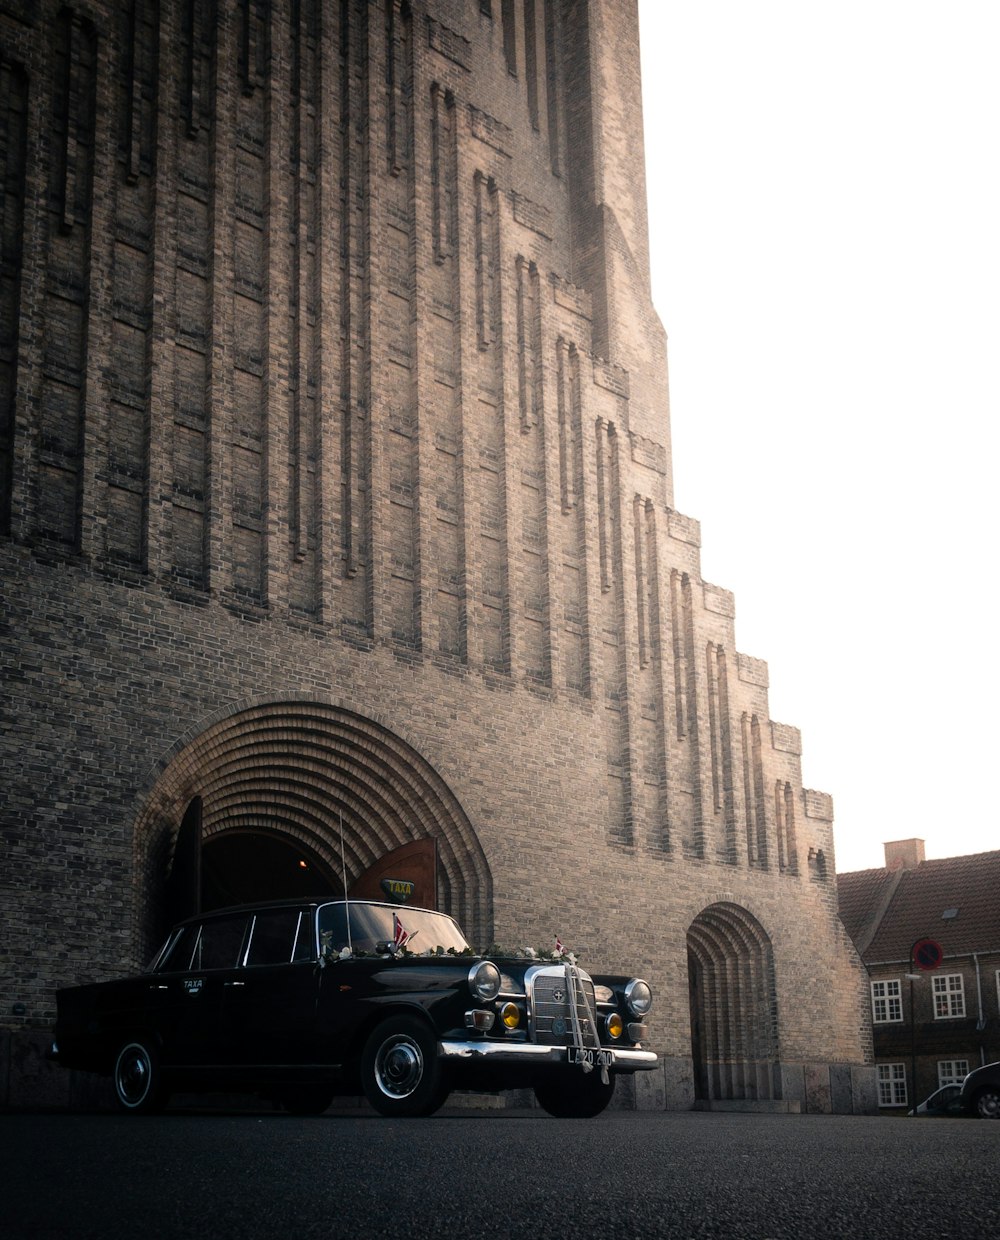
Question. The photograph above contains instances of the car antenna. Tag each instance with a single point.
(343, 868)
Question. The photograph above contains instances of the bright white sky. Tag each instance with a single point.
(824, 193)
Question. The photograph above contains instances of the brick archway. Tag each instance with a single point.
(300, 769)
(734, 1019)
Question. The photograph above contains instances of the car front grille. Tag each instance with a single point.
(550, 1017)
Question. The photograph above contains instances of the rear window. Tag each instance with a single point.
(279, 937)
(177, 957)
(219, 944)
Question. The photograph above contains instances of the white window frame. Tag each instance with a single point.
(887, 1001)
(891, 1084)
(952, 1071)
(949, 996)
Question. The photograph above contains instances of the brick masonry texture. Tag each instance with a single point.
(335, 479)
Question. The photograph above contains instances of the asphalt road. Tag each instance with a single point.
(497, 1175)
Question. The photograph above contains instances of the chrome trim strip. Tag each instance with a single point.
(530, 1052)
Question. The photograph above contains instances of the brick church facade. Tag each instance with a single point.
(336, 516)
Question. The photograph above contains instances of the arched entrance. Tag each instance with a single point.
(734, 1020)
(242, 867)
(291, 798)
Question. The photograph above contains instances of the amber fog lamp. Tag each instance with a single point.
(510, 1014)
(614, 1025)
(484, 980)
(638, 997)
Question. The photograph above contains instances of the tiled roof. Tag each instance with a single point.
(862, 895)
(916, 910)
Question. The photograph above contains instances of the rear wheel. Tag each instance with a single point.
(575, 1095)
(987, 1104)
(400, 1072)
(138, 1078)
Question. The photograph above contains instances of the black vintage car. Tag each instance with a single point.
(300, 1002)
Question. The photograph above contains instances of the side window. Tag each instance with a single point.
(952, 1071)
(178, 958)
(892, 1085)
(219, 944)
(305, 938)
(949, 997)
(887, 1002)
(272, 939)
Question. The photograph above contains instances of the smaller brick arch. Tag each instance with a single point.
(734, 1013)
(341, 785)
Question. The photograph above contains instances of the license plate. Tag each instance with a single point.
(588, 1055)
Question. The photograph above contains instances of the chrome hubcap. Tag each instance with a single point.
(399, 1066)
(133, 1077)
(989, 1105)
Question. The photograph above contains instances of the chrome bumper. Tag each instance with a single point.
(626, 1057)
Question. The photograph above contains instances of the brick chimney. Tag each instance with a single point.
(903, 854)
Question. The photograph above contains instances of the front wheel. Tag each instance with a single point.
(575, 1096)
(138, 1078)
(400, 1072)
(987, 1104)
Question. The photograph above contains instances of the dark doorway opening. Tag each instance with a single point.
(734, 1012)
(244, 867)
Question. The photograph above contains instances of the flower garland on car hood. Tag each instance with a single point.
(555, 955)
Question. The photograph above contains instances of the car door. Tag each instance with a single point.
(269, 1014)
(186, 996)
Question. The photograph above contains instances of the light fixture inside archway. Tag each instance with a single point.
(340, 788)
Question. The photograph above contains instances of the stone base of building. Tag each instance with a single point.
(750, 1106)
(804, 1089)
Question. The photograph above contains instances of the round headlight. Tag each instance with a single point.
(614, 1025)
(638, 997)
(510, 1014)
(484, 980)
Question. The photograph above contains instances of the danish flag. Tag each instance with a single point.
(559, 946)
(399, 935)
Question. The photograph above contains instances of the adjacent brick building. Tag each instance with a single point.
(935, 1014)
(336, 506)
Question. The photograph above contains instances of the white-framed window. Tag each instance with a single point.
(892, 1084)
(952, 1071)
(949, 996)
(887, 1001)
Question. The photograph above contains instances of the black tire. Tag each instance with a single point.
(138, 1078)
(575, 1095)
(400, 1071)
(987, 1103)
(306, 1099)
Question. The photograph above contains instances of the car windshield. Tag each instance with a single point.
(417, 929)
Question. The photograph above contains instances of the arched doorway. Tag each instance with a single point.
(242, 867)
(734, 1020)
(301, 792)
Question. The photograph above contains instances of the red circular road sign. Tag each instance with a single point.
(927, 954)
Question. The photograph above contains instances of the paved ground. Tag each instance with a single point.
(497, 1174)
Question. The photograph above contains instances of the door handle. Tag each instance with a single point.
(234, 983)
(158, 986)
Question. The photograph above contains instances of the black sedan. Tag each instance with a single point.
(980, 1094)
(303, 1001)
